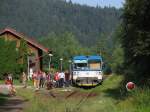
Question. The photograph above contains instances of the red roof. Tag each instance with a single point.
(29, 40)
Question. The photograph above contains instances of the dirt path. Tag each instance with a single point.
(13, 104)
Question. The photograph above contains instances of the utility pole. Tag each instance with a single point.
(50, 58)
(61, 59)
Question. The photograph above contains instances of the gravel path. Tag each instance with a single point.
(13, 104)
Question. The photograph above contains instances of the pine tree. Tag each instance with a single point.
(136, 39)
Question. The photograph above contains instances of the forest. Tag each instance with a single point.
(121, 36)
(38, 19)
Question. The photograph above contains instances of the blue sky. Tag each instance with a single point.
(116, 3)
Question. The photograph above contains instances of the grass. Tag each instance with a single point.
(17, 82)
(110, 98)
(44, 103)
(114, 99)
(141, 99)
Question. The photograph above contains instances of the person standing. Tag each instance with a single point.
(62, 78)
(38, 84)
(56, 78)
(49, 81)
(9, 80)
(30, 74)
(42, 79)
(9, 84)
(34, 78)
(48, 78)
(67, 78)
(24, 80)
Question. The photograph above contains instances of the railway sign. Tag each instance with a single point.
(130, 86)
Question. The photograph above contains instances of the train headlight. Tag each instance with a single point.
(98, 73)
(100, 76)
(75, 75)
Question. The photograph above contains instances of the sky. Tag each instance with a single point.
(102, 3)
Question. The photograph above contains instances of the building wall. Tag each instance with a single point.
(34, 58)
(35, 51)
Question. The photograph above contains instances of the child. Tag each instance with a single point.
(9, 85)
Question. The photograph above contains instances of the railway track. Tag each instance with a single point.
(82, 100)
(73, 94)
(65, 96)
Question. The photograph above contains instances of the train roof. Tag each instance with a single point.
(87, 57)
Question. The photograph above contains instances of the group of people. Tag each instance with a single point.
(48, 80)
(62, 79)
(42, 79)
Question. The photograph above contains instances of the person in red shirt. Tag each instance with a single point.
(56, 78)
(9, 80)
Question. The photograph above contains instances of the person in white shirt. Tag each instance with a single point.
(61, 76)
(30, 74)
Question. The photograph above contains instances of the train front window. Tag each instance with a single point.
(94, 64)
(80, 66)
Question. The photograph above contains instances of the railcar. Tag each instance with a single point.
(87, 70)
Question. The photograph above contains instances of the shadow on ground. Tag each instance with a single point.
(116, 93)
(3, 99)
(12, 104)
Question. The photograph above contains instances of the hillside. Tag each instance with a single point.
(38, 18)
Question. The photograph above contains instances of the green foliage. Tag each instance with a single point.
(104, 47)
(117, 62)
(117, 59)
(63, 46)
(137, 101)
(12, 60)
(37, 18)
(141, 98)
(8, 54)
(101, 46)
(22, 56)
(106, 99)
(136, 40)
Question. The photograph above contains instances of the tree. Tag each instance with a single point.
(117, 59)
(23, 53)
(86, 23)
(103, 47)
(8, 54)
(63, 46)
(136, 40)
(117, 62)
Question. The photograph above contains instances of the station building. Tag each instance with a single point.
(35, 60)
